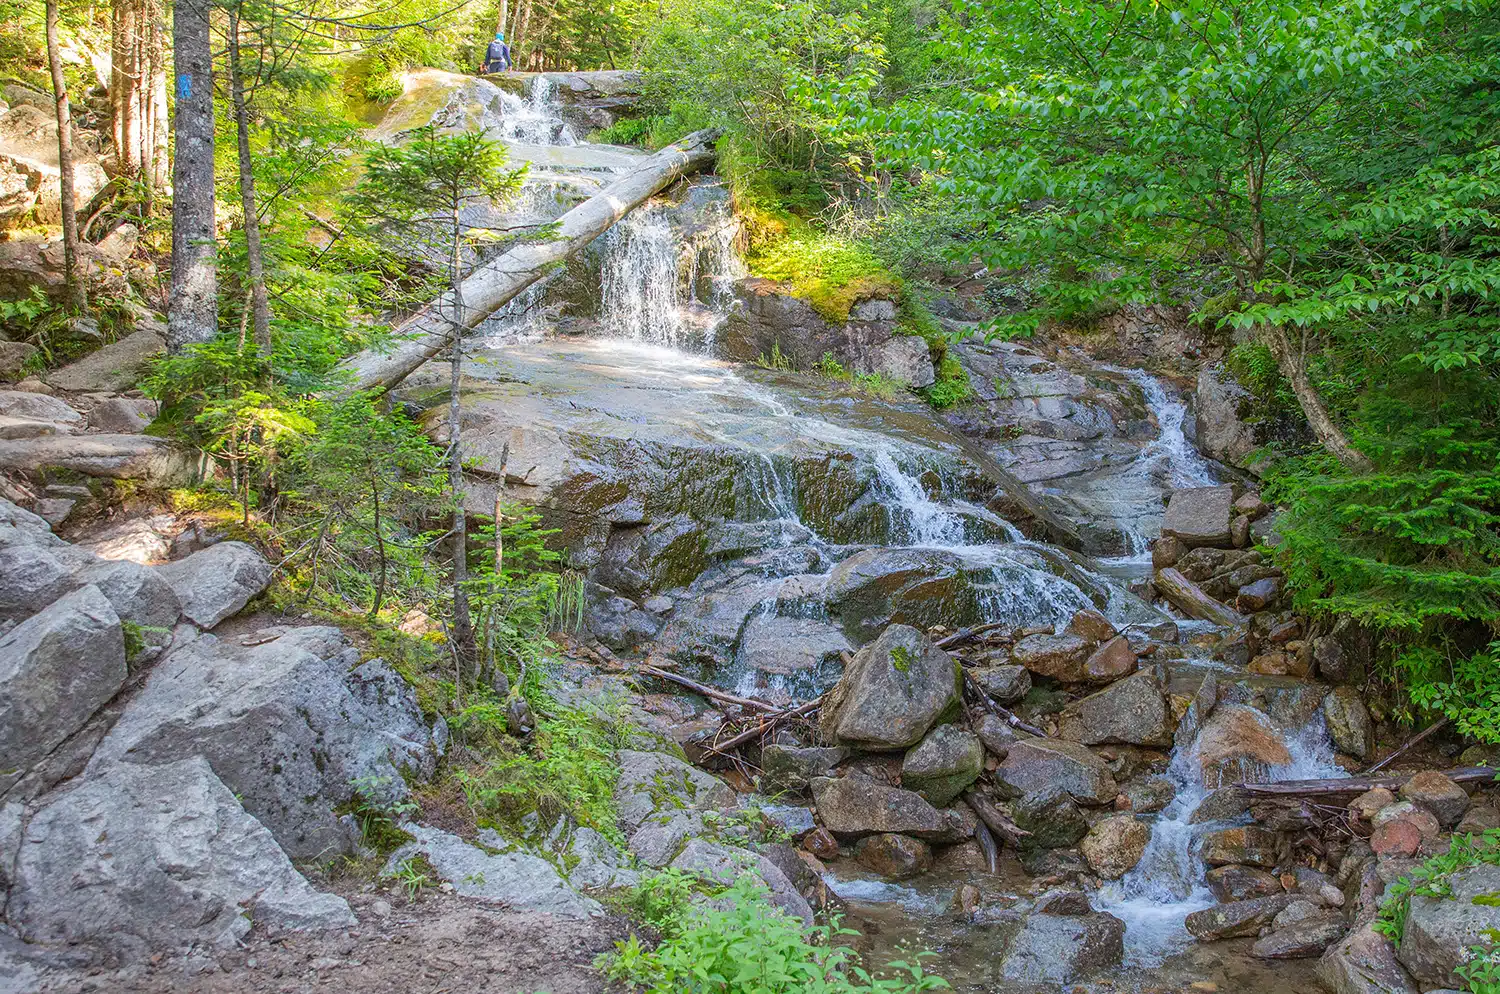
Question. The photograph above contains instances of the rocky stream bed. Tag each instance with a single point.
(987, 683)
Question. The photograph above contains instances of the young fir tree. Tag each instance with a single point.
(424, 186)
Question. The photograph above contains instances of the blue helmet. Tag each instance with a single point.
(499, 35)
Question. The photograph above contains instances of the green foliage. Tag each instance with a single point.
(378, 811)
(828, 272)
(662, 900)
(626, 131)
(777, 360)
(1463, 687)
(568, 768)
(741, 944)
(414, 875)
(1430, 879)
(951, 386)
(1481, 971)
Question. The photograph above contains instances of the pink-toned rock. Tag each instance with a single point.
(1396, 838)
(1091, 626)
(1239, 532)
(1250, 505)
(1111, 661)
(1438, 794)
(1370, 803)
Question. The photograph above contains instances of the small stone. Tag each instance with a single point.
(1257, 596)
(1245, 845)
(821, 843)
(1115, 845)
(898, 857)
(1063, 901)
(1059, 657)
(1424, 821)
(1092, 626)
(1111, 661)
(1438, 794)
(1396, 838)
(1006, 684)
(1239, 532)
(1250, 505)
(1367, 805)
(997, 735)
(1166, 551)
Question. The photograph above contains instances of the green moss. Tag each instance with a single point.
(828, 272)
(951, 386)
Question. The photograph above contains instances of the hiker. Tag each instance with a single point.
(497, 56)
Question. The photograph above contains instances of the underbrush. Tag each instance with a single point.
(828, 272)
(739, 943)
(1430, 879)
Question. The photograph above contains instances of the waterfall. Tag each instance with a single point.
(923, 522)
(1171, 453)
(1169, 883)
(534, 120)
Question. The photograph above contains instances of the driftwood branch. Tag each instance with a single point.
(1421, 736)
(1008, 716)
(989, 812)
(492, 285)
(968, 634)
(1357, 785)
(764, 725)
(707, 691)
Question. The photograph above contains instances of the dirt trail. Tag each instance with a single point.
(440, 945)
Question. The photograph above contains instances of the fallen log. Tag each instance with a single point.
(707, 691)
(1192, 601)
(492, 285)
(1359, 784)
(996, 820)
(1420, 737)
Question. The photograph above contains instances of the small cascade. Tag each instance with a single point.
(1171, 455)
(923, 522)
(534, 119)
(1169, 883)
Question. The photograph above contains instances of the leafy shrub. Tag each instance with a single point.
(741, 944)
(1430, 879)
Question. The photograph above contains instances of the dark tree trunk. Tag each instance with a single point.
(77, 281)
(192, 314)
(124, 82)
(260, 305)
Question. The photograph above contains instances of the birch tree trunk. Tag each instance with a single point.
(77, 282)
(463, 625)
(491, 286)
(1293, 364)
(192, 313)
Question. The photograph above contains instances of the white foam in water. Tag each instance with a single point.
(1169, 882)
(868, 891)
(534, 120)
(926, 523)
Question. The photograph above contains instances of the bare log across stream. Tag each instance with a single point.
(492, 285)
(1358, 785)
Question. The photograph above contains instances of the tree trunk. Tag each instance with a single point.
(463, 625)
(255, 259)
(489, 287)
(1293, 364)
(523, 15)
(124, 81)
(77, 285)
(500, 25)
(192, 314)
(154, 170)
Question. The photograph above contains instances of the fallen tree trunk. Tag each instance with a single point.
(1357, 785)
(492, 285)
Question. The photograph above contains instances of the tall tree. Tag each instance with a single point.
(260, 304)
(425, 186)
(77, 288)
(192, 314)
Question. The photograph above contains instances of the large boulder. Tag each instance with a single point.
(56, 669)
(1349, 722)
(119, 457)
(114, 368)
(1035, 765)
(289, 724)
(788, 768)
(894, 856)
(661, 801)
(1440, 930)
(723, 864)
(516, 879)
(1239, 745)
(894, 690)
(1134, 711)
(1200, 516)
(1051, 819)
(1305, 939)
(946, 761)
(145, 859)
(218, 581)
(1437, 793)
(1247, 845)
(1235, 919)
(1219, 415)
(1115, 845)
(39, 407)
(1364, 962)
(855, 806)
(1060, 949)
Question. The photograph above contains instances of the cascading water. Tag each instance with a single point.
(1170, 883)
(534, 119)
(1171, 455)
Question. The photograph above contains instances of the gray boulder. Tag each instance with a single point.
(112, 369)
(142, 859)
(1222, 433)
(1363, 962)
(13, 358)
(118, 457)
(285, 724)
(1115, 845)
(56, 669)
(1303, 940)
(1134, 711)
(515, 879)
(997, 734)
(1060, 657)
(1051, 818)
(217, 582)
(1441, 930)
(787, 768)
(855, 805)
(652, 783)
(38, 407)
(1035, 765)
(137, 593)
(1349, 723)
(1200, 516)
(1060, 949)
(125, 415)
(599, 866)
(724, 864)
(1006, 684)
(1235, 919)
(946, 761)
(896, 688)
